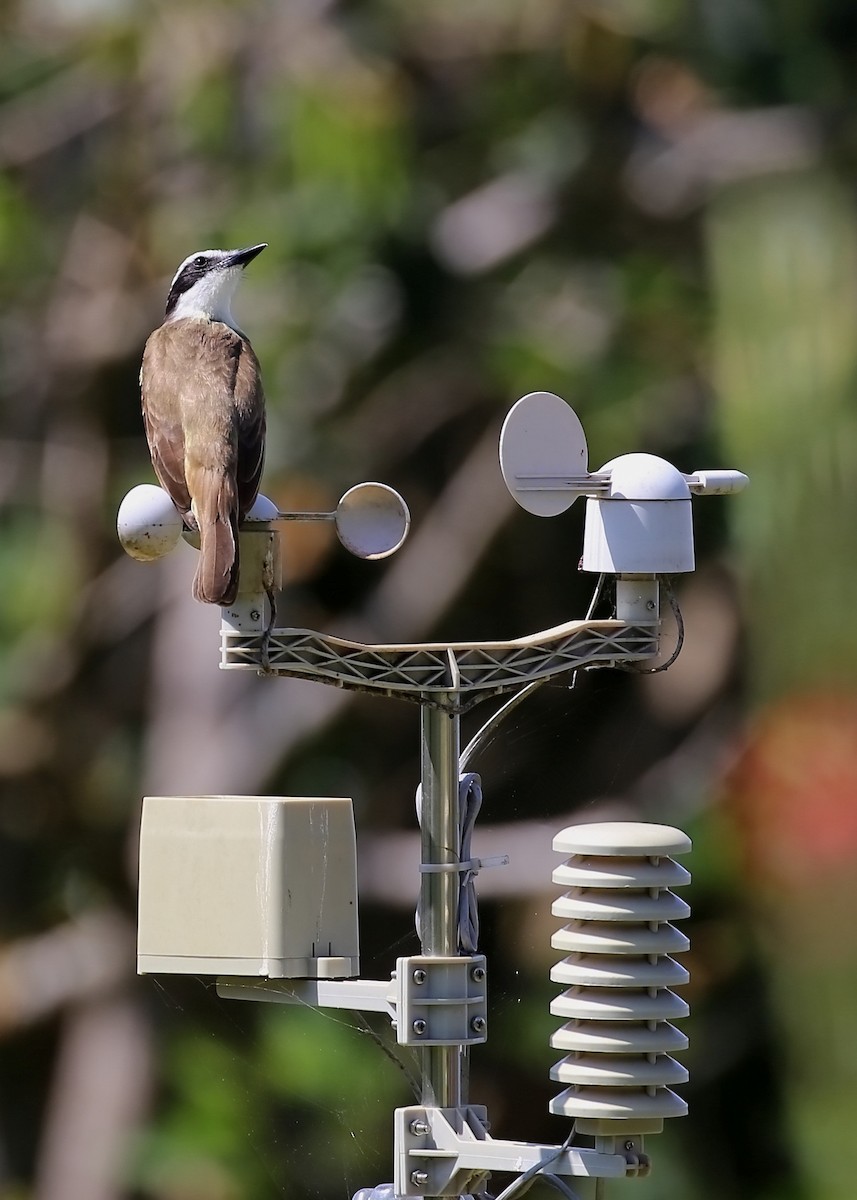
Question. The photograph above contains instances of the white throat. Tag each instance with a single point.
(210, 299)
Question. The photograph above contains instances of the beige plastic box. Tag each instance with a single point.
(248, 886)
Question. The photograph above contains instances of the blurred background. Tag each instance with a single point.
(647, 206)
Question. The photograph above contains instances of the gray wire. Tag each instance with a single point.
(559, 1184)
(494, 720)
(469, 804)
(593, 604)
(596, 596)
(679, 622)
(478, 740)
(537, 1169)
(265, 650)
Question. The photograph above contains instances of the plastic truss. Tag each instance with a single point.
(448, 1152)
(432, 1000)
(428, 673)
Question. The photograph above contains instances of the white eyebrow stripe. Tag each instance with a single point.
(191, 257)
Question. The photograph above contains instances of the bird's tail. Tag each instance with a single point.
(215, 505)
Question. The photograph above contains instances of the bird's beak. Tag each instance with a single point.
(240, 258)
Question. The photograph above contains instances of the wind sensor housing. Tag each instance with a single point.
(638, 512)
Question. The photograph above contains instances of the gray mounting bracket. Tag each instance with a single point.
(442, 1000)
(448, 1152)
(431, 1000)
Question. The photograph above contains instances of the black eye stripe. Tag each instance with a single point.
(185, 281)
(191, 273)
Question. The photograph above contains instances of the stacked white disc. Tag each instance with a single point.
(619, 972)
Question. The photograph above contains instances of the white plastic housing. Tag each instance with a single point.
(718, 482)
(248, 886)
(543, 454)
(372, 520)
(261, 572)
(644, 525)
(148, 523)
(619, 972)
(263, 509)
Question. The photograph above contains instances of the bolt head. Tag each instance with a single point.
(419, 1178)
(478, 1024)
(419, 976)
(418, 1128)
(419, 1026)
(477, 974)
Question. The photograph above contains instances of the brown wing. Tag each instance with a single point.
(204, 408)
(162, 420)
(250, 405)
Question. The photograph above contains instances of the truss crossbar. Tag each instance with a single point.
(423, 672)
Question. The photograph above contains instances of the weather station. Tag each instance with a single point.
(261, 892)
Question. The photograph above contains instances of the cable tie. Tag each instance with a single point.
(495, 860)
(472, 864)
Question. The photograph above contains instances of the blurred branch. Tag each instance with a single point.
(410, 404)
(482, 229)
(98, 1096)
(74, 962)
(47, 117)
(20, 461)
(93, 315)
(673, 174)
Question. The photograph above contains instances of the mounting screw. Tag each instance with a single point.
(477, 974)
(650, 605)
(478, 1024)
(419, 1027)
(629, 1145)
(255, 615)
(419, 1178)
(418, 1128)
(419, 976)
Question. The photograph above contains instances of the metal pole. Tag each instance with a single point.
(441, 1065)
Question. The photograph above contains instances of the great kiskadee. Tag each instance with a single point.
(204, 412)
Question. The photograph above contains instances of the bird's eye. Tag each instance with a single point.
(200, 260)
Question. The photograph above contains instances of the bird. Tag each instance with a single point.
(204, 412)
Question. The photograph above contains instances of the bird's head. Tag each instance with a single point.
(205, 283)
